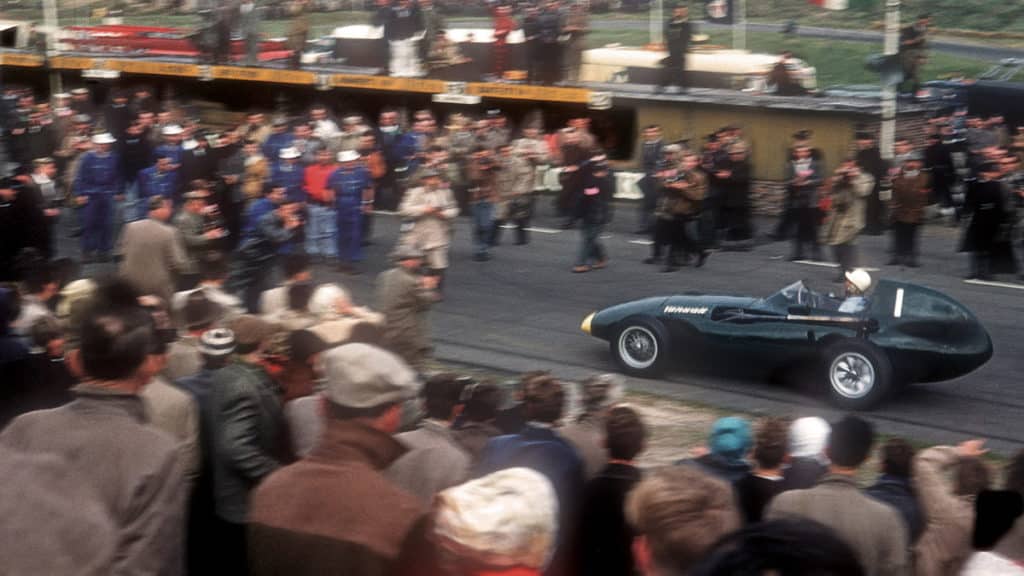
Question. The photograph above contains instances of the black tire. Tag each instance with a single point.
(646, 352)
(857, 375)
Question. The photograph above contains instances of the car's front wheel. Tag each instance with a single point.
(641, 347)
(858, 374)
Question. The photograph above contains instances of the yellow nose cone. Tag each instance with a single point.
(585, 326)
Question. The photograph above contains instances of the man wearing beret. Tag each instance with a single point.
(335, 508)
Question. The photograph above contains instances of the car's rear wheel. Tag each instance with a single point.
(857, 373)
(641, 347)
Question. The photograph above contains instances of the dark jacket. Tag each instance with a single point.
(677, 37)
(803, 473)
(719, 467)
(984, 202)
(754, 493)
(334, 509)
(402, 24)
(473, 437)
(899, 493)
(736, 188)
(136, 154)
(248, 435)
(543, 450)
(605, 538)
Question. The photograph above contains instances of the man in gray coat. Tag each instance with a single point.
(435, 460)
(104, 441)
(152, 252)
(874, 531)
(404, 296)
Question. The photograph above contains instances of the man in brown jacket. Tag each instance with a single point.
(334, 510)
(874, 531)
(152, 252)
(683, 201)
(910, 189)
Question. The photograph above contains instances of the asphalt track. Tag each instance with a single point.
(522, 310)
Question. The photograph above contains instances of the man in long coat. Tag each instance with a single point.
(404, 297)
(850, 189)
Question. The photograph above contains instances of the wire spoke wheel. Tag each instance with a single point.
(638, 347)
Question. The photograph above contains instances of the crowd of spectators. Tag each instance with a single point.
(208, 440)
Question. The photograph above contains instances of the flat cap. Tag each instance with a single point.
(363, 376)
(251, 329)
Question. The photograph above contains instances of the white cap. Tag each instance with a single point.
(289, 153)
(190, 144)
(509, 518)
(860, 279)
(172, 130)
(62, 96)
(104, 138)
(808, 437)
(348, 156)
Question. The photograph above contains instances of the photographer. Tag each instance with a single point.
(403, 296)
(428, 211)
(850, 189)
(683, 193)
(483, 177)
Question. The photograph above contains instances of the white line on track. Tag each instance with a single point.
(531, 229)
(995, 284)
(642, 242)
(828, 264)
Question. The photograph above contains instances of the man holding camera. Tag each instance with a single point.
(850, 190)
(404, 296)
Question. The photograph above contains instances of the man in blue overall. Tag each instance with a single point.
(159, 179)
(97, 182)
(353, 194)
(290, 174)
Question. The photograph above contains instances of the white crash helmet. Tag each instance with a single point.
(860, 279)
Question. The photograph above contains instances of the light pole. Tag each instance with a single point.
(657, 18)
(892, 48)
(52, 29)
(739, 25)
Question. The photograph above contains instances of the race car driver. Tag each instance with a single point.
(858, 282)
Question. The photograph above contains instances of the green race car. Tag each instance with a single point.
(899, 334)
